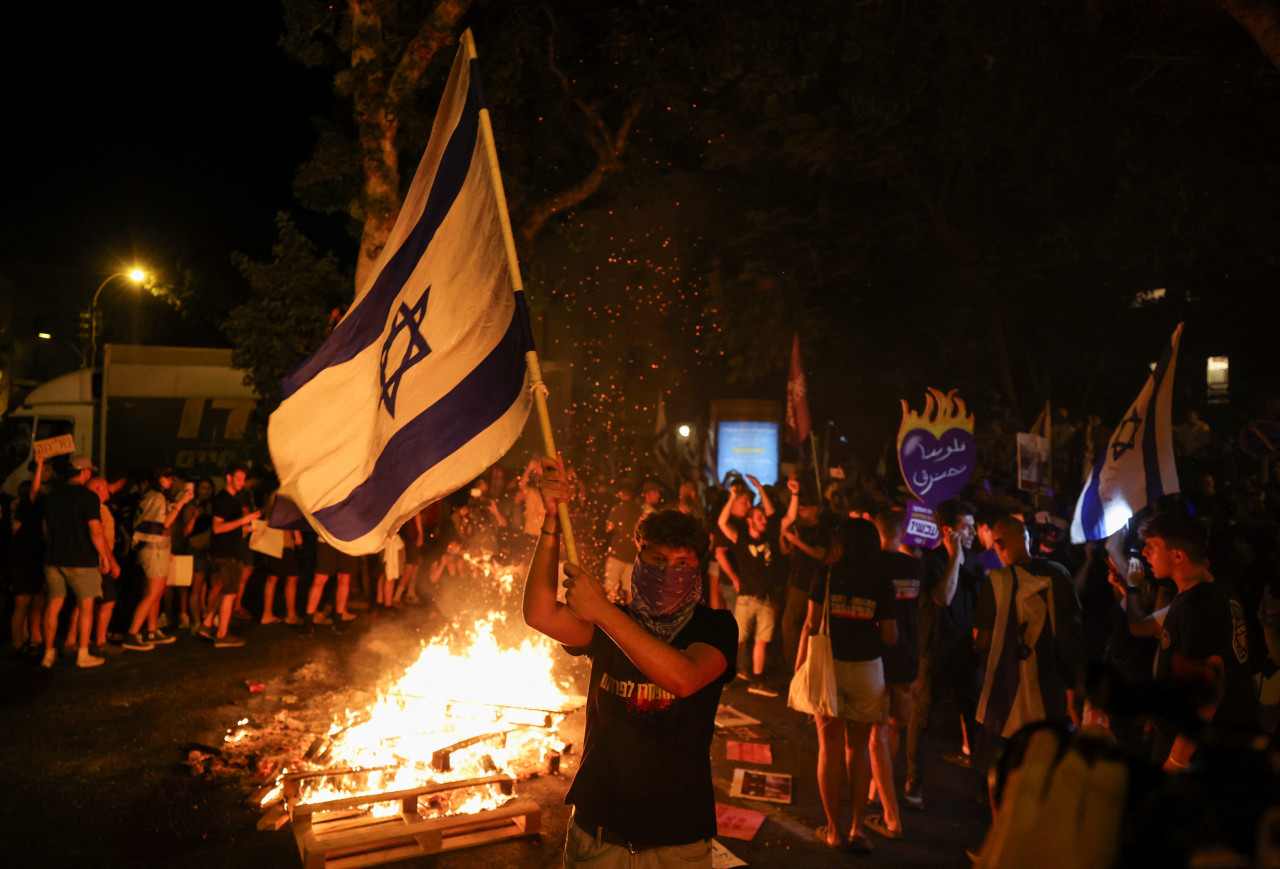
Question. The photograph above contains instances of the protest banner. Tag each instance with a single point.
(1033, 462)
(919, 527)
(58, 446)
(936, 449)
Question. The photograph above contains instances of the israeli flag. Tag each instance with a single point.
(424, 382)
(1137, 468)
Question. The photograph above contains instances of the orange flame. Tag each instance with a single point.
(942, 412)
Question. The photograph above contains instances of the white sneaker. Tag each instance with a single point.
(85, 660)
(50, 655)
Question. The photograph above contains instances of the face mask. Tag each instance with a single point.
(665, 590)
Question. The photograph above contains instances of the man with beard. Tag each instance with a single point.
(658, 665)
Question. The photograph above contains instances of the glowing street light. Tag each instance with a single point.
(136, 275)
(684, 431)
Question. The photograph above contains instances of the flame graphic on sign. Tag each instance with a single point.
(942, 412)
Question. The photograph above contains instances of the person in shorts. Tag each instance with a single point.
(331, 562)
(151, 538)
(757, 571)
(24, 561)
(197, 528)
(224, 555)
(76, 556)
(107, 604)
(285, 566)
(861, 625)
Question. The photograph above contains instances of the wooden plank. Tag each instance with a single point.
(274, 819)
(440, 757)
(298, 809)
(386, 840)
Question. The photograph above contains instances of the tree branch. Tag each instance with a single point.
(610, 163)
(435, 34)
(609, 145)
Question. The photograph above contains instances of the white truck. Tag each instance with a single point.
(147, 407)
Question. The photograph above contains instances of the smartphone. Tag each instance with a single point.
(189, 488)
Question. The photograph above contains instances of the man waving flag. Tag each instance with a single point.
(1137, 468)
(424, 383)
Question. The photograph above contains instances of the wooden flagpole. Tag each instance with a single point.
(513, 266)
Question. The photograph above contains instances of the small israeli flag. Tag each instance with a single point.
(1137, 468)
(424, 382)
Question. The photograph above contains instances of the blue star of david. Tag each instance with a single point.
(1120, 447)
(410, 320)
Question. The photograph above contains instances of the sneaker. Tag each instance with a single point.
(50, 655)
(913, 795)
(206, 632)
(160, 638)
(137, 642)
(959, 758)
(84, 660)
(106, 649)
(227, 642)
(757, 686)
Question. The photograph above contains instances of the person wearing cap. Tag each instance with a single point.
(151, 537)
(76, 556)
(643, 794)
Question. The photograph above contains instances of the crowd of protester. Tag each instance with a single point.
(1158, 638)
(146, 555)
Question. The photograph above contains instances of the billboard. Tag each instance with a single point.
(749, 447)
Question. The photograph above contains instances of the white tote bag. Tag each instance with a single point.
(813, 687)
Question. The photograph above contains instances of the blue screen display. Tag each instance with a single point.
(748, 448)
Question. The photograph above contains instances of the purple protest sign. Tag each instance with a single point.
(936, 449)
(919, 528)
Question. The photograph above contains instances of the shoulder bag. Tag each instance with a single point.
(813, 687)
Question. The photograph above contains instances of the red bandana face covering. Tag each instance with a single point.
(663, 598)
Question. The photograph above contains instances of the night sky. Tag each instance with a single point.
(133, 134)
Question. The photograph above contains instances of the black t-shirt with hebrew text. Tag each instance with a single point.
(646, 762)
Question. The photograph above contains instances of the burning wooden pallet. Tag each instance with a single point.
(341, 834)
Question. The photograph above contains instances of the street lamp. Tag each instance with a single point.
(136, 275)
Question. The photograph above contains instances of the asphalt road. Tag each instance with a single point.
(94, 759)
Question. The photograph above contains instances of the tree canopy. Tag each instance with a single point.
(957, 195)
